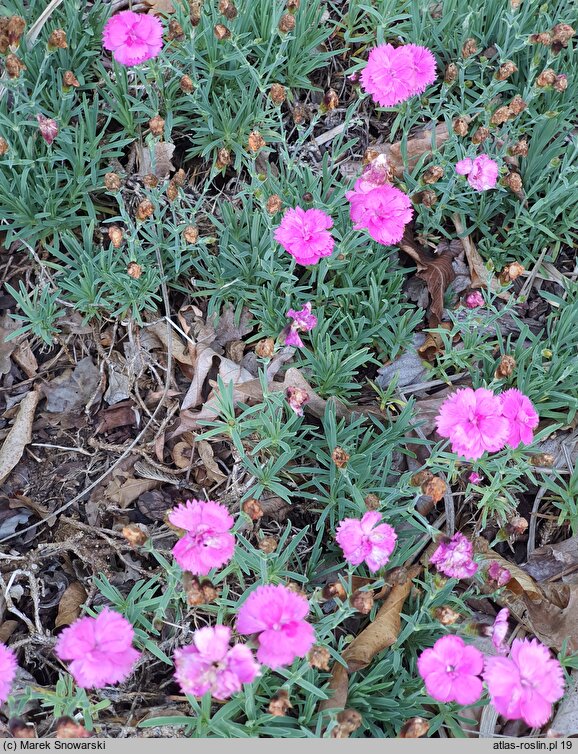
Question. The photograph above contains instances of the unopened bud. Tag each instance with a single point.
(433, 174)
(116, 236)
(256, 141)
(253, 509)
(517, 105)
(446, 616)
(227, 8)
(186, 84)
(519, 149)
(469, 48)
(286, 23)
(319, 658)
(66, 727)
(48, 128)
(372, 502)
(279, 704)
(277, 94)
(330, 101)
(224, 158)
(268, 545)
(505, 367)
(348, 722)
(274, 204)
(157, 125)
(415, 727)
(514, 182)
(112, 182)
(57, 40)
(221, 32)
(511, 272)
(135, 534)
(340, 457)
(460, 126)
(506, 70)
(561, 83)
(145, 209)
(362, 601)
(501, 115)
(191, 234)
(451, 73)
(69, 80)
(3, 146)
(13, 65)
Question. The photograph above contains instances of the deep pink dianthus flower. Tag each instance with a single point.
(525, 684)
(277, 615)
(303, 321)
(454, 558)
(133, 37)
(366, 540)
(473, 421)
(499, 630)
(474, 299)
(100, 649)
(424, 67)
(305, 235)
(208, 542)
(8, 665)
(383, 211)
(498, 574)
(451, 670)
(210, 664)
(521, 415)
(482, 171)
(394, 74)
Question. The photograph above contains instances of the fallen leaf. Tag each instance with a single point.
(71, 391)
(160, 7)
(121, 415)
(70, 604)
(550, 560)
(480, 276)
(7, 325)
(433, 343)
(407, 368)
(565, 723)
(155, 160)
(20, 434)
(227, 370)
(123, 489)
(25, 359)
(179, 350)
(226, 329)
(416, 147)
(119, 383)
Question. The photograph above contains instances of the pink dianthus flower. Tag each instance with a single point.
(100, 649)
(305, 235)
(473, 421)
(208, 542)
(48, 128)
(366, 540)
(450, 670)
(482, 172)
(133, 37)
(277, 615)
(498, 573)
(383, 211)
(394, 74)
(424, 67)
(210, 664)
(474, 478)
(499, 630)
(474, 299)
(521, 415)
(303, 321)
(8, 667)
(454, 558)
(525, 684)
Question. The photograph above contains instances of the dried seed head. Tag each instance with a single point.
(348, 722)
(511, 272)
(501, 115)
(221, 32)
(514, 182)
(286, 23)
(460, 126)
(134, 270)
(135, 534)
(435, 488)
(57, 40)
(265, 348)
(362, 601)
(14, 30)
(268, 545)
(274, 204)
(520, 148)
(279, 704)
(253, 509)
(561, 83)
(277, 94)
(3, 146)
(517, 526)
(176, 32)
(116, 236)
(543, 38)
(197, 592)
(66, 727)
(333, 590)
(69, 80)
(546, 460)
(172, 191)
(227, 8)
(145, 209)
(446, 616)
(517, 105)
(191, 234)
(179, 177)
(299, 113)
(421, 478)
(372, 502)
(340, 457)
(186, 84)
(451, 73)
(506, 70)
(415, 727)
(428, 198)
(469, 48)
(112, 182)
(157, 125)
(433, 174)
(505, 367)
(195, 11)
(482, 133)
(13, 65)
(150, 181)
(562, 34)
(319, 657)
(293, 5)
(546, 78)
(256, 141)
(224, 158)
(330, 101)
(20, 729)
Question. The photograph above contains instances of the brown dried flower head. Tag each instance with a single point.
(501, 115)
(57, 40)
(198, 592)
(277, 94)
(221, 32)
(415, 727)
(506, 70)
(421, 478)
(543, 38)
(427, 197)
(333, 590)
(20, 729)
(134, 270)
(561, 83)
(256, 141)
(435, 488)
(186, 84)
(3, 146)
(293, 5)
(433, 174)
(172, 191)
(227, 8)
(451, 73)
(372, 502)
(176, 32)
(562, 34)
(66, 727)
(69, 80)
(274, 204)
(14, 30)
(157, 125)
(191, 234)
(253, 509)
(4, 44)
(145, 209)
(112, 182)
(517, 105)
(513, 181)
(135, 534)
(348, 722)
(299, 113)
(517, 526)
(505, 367)
(224, 158)
(446, 616)
(195, 11)
(150, 180)
(362, 601)
(268, 545)
(179, 177)
(469, 48)
(511, 272)
(519, 149)
(265, 348)
(286, 23)
(279, 704)
(330, 101)
(116, 236)
(340, 457)
(460, 126)
(545, 460)
(13, 65)
(482, 133)
(319, 657)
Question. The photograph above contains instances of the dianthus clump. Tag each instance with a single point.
(451, 670)
(8, 667)
(208, 542)
(211, 665)
(394, 74)
(482, 172)
(100, 649)
(454, 558)
(305, 235)
(133, 37)
(367, 540)
(277, 615)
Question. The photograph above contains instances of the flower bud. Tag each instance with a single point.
(224, 158)
(176, 32)
(268, 545)
(157, 125)
(469, 48)
(3, 146)
(460, 126)
(191, 234)
(506, 70)
(415, 727)
(501, 115)
(362, 601)
(348, 722)
(227, 8)
(134, 270)
(253, 509)
(511, 272)
(451, 73)
(279, 704)
(57, 40)
(277, 94)
(221, 32)
(481, 134)
(286, 23)
(446, 616)
(135, 534)
(433, 174)
(256, 141)
(474, 299)
(319, 657)
(340, 457)
(112, 182)
(517, 105)
(69, 80)
(13, 65)
(505, 367)
(513, 181)
(265, 348)
(520, 148)
(561, 83)
(48, 128)
(186, 84)
(274, 204)
(372, 502)
(116, 236)
(145, 209)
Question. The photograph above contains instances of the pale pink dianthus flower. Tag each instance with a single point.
(521, 415)
(133, 37)
(277, 615)
(100, 649)
(525, 684)
(303, 321)
(208, 542)
(305, 235)
(366, 540)
(482, 171)
(8, 667)
(296, 398)
(383, 211)
(454, 558)
(499, 630)
(473, 422)
(210, 664)
(451, 670)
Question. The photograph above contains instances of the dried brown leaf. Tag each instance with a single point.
(417, 146)
(123, 489)
(70, 604)
(479, 273)
(20, 434)
(208, 458)
(155, 160)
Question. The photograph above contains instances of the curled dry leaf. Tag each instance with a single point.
(208, 458)
(479, 273)
(70, 605)
(421, 143)
(155, 159)
(20, 434)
